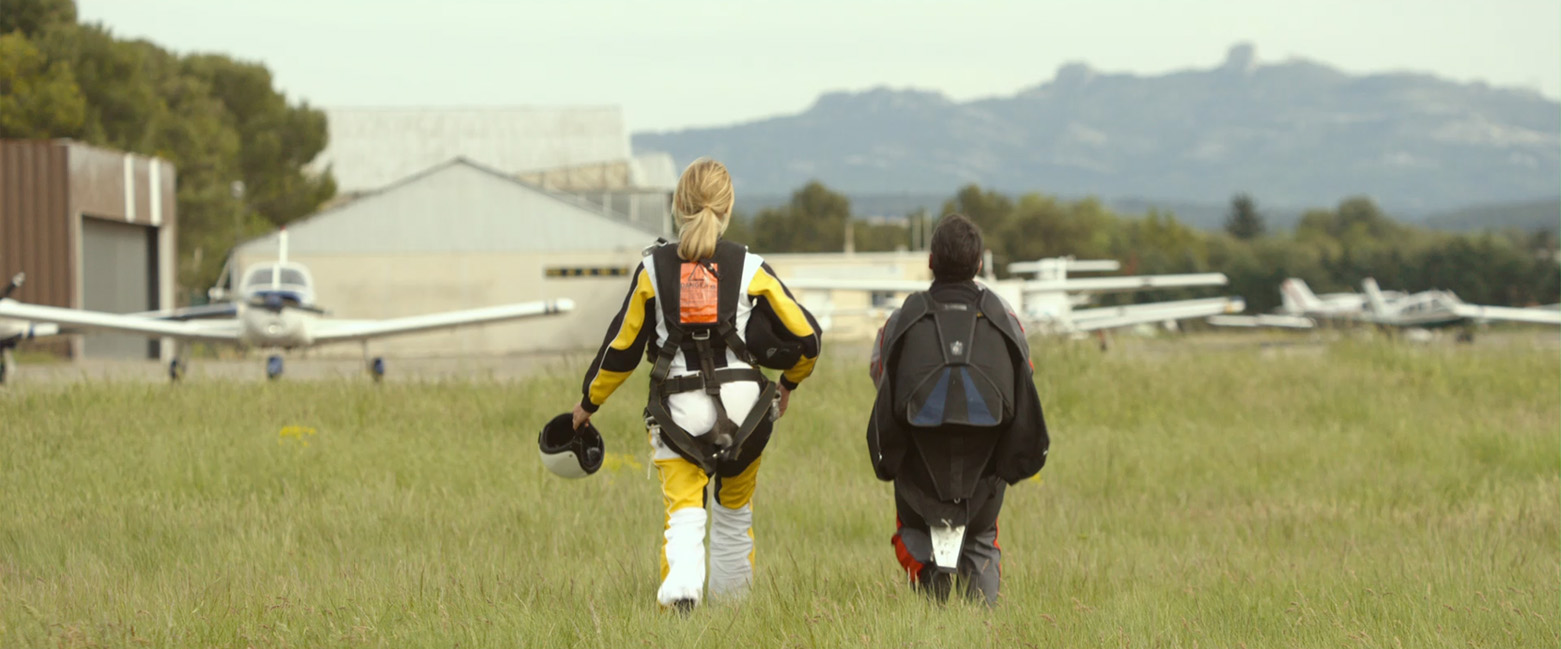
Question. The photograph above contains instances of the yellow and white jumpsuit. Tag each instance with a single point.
(684, 484)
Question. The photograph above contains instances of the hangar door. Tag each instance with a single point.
(118, 275)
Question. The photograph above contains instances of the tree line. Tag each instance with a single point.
(1331, 248)
(218, 120)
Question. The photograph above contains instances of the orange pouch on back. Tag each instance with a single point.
(698, 294)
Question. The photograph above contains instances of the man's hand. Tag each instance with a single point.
(581, 416)
(785, 398)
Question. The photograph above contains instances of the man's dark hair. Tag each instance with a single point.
(956, 249)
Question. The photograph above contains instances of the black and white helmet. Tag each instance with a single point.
(569, 452)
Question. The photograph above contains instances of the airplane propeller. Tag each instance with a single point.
(276, 303)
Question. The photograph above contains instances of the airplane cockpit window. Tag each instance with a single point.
(263, 277)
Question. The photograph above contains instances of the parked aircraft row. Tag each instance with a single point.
(1050, 300)
(1301, 308)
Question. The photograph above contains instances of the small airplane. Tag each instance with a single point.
(1296, 298)
(1441, 308)
(1048, 301)
(276, 311)
(1423, 310)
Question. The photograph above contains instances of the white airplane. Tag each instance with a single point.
(1297, 299)
(1048, 302)
(1423, 310)
(276, 312)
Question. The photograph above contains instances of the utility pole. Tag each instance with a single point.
(237, 189)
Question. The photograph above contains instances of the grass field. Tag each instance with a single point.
(1355, 495)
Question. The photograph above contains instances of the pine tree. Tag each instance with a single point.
(1244, 221)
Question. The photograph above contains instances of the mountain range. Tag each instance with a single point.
(1293, 134)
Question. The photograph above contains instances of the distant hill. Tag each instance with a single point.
(1529, 215)
(1293, 134)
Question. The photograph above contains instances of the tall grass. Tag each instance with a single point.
(1361, 494)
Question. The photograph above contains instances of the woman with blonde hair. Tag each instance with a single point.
(714, 312)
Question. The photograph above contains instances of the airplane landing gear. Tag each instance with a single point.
(7, 362)
(175, 369)
(274, 366)
(375, 366)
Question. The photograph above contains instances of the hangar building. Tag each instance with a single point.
(93, 229)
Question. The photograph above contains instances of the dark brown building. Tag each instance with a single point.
(93, 229)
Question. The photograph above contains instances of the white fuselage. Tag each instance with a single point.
(276, 309)
(284, 328)
(1425, 309)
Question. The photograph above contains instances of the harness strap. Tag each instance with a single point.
(722, 376)
(692, 448)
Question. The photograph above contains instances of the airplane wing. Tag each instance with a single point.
(1126, 316)
(78, 319)
(834, 284)
(1262, 320)
(219, 310)
(1510, 314)
(1127, 284)
(328, 330)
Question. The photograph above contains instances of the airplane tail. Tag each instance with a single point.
(16, 283)
(281, 258)
(1297, 297)
(1374, 296)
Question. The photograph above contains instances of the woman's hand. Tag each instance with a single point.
(581, 416)
(785, 398)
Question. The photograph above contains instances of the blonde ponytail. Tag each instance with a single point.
(702, 204)
(699, 235)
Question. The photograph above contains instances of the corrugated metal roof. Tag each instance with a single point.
(370, 148)
(459, 206)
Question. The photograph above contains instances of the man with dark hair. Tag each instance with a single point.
(956, 250)
(956, 419)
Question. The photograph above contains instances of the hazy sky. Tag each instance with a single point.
(680, 63)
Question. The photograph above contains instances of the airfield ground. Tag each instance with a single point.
(1217, 494)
